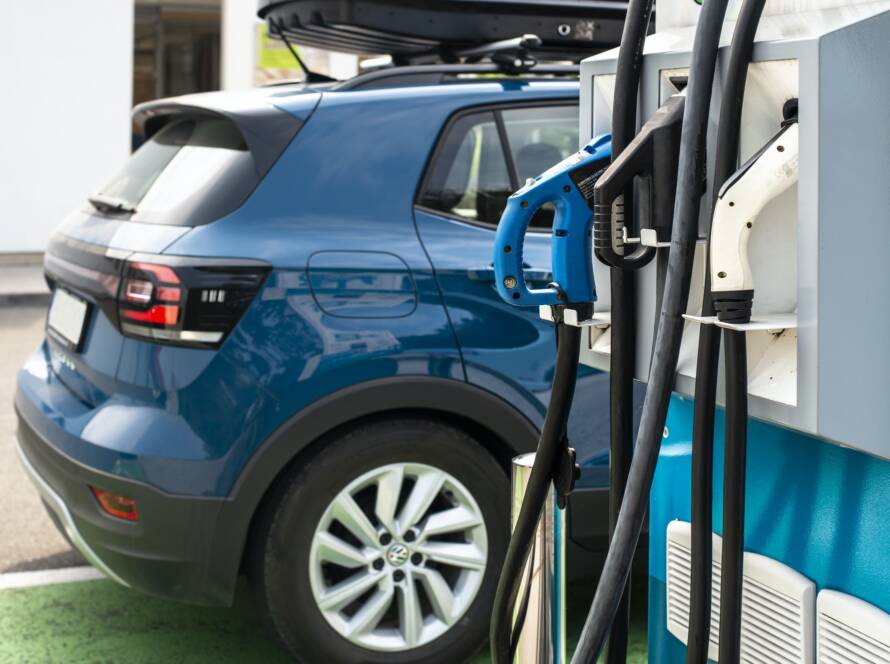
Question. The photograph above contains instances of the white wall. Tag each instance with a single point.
(239, 21)
(66, 77)
(342, 65)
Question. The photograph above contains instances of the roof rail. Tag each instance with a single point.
(512, 55)
(389, 77)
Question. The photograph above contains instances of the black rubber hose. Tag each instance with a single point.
(621, 395)
(691, 171)
(539, 484)
(628, 68)
(623, 295)
(734, 447)
(702, 488)
(727, 149)
(725, 164)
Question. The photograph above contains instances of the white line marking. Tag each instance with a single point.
(48, 577)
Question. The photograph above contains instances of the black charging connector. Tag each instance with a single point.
(653, 155)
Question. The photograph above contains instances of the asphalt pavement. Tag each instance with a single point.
(28, 539)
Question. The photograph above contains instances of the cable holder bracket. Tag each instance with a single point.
(572, 316)
(758, 322)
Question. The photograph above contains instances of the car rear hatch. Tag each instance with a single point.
(201, 158)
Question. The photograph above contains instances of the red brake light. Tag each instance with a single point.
(193, 302)
(143, 284)
(161, 272)
(157, 315)
(167, 294)
(115, 505)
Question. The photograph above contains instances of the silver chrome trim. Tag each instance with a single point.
(57, 505)
(172, 335)
(542, 634)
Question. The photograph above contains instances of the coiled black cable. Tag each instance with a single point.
(691, 171)
(550, 444)
(725, 164)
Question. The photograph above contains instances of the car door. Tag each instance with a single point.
(483, 156)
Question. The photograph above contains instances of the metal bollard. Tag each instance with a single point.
(541, 598)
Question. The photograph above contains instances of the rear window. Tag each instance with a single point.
(192, 171)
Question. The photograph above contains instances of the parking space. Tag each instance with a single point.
(98, 621)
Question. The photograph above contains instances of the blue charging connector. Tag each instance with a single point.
(569, 187)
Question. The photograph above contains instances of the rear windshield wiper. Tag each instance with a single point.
(110, 205)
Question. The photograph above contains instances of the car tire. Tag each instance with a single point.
(404, 549)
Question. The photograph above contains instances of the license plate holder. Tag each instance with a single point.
(67, 319)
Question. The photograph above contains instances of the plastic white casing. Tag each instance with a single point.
(778, 603)
(735, 215)
(850, 631)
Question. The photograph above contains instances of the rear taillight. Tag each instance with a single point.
(116, 505)
(192, 302)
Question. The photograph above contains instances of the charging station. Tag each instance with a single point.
(816, 536)
(749, 206)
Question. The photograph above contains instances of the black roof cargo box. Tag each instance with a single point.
(415, 31)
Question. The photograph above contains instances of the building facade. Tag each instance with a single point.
(71, 72)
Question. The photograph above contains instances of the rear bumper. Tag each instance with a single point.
(64, 521)
(172, 551)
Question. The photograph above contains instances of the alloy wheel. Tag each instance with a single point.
(398, 556)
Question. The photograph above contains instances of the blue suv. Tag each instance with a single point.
(274, 347)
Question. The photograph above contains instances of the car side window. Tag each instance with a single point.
(469, 178)
(539, 138)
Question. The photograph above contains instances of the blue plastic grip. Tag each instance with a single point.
(571, 252)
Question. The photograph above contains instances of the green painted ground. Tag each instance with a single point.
(97, 622)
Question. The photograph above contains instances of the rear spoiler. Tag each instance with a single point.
(265, 128)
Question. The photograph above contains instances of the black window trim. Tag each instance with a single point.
(495, 110)
(507, 149)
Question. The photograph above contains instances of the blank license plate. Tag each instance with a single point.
(67, 317)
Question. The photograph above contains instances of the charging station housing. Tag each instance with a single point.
(818, 467)
(817, 256)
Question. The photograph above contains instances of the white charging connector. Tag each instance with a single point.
(765, 176)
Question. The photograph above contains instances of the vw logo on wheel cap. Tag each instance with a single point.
(397, 554)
